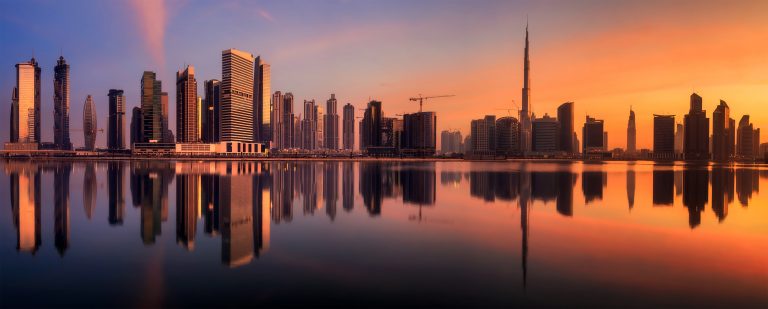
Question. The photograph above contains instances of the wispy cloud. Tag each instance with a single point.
(152, 19)
(263, 13)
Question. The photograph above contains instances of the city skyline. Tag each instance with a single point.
(709, 72)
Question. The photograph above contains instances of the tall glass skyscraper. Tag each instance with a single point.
(27, 111)
(61, 105)
(236, 96)
(211, 110)
(151, 107)
(116, 126)
(331, 124)
(186, 106)
(348, 127)
(262, 127)
(90, 124)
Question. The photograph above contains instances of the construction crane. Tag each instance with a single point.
(509, 110)
(421, 99)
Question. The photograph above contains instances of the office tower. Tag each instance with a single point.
(14, 121)
(664, 136)
(90, 125)
(605, 140)
(721, 126)
(565, 119)
(525, 113)
(61, 105)
(25, 205)
(391, 133)
(331, 124)
(236, 96)
(696, 134)
(308, 126)
(679, 134)
(262, 129)
(420, 133)
(297, 137)
(199, 108)
(27, 110)
(746, 136)
(544, 135)
(320, 127)
(151, 107)
(276, 120)
(592, 135)
(632, 133)
(576, 143)
(483, 136)
(116, 125)
(287, 121)
(348, 127)
(186, 106)
(136, 126)
(370, 126)
(210, 111)
(450, 141)
(165, 124)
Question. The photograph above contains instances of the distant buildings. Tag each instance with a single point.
(632, 133)
(331, 128)
(90, 125)
(483, 136)
(236, 122)
(419, 134)
(592, 136)
(507, 136)
(262, 128)
(664, 136)
(187, 106)
(566, 134)
(211, 111)
(722, 143)
(308, 130)
(116, 125)
(61, 105)
(25, 110)
(348, 127)
(151, 107)
(450, 142)
(696, 123)
(747, 140)
(545, 135)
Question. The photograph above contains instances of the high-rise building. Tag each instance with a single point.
(391, 134)
(27, 108)
(14, 130)
(632, 133)
(545, 134)
(90, 125)
(348, 127)
(187, 106)
(565, 119)
(210, 111)
(331, 124)
(308, 126)
(664, 136)
(262, 127)
(747, 140)
(507, 136)
(236, 122)
(696, 136)
(276, 120)
(592, 136)
(164, 123)
(61, 105)
(296, 132)
(679, 134)
(151, 107)
(450, 141)
(721, 127)
(287, 121)
(116, 125)
(525, 112)
(137, 134)
(320, 127)
(420, 133)
(370, 126)
(483, 136)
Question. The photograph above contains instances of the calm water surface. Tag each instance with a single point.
(382, 234)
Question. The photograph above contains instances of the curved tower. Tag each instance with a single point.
(89, 123)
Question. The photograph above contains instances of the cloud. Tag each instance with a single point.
(263, 13)
(152, 19)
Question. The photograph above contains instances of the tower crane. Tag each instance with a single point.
(421, 99)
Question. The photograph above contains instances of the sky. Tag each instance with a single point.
(606, 56)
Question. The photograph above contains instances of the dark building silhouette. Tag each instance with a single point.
(348, 127)
(592, 136)
(696, 132)
(61, 105)
(483, 141)
(565, 183)
(722, 145)
(331, 188)
(543, 186)
(722, 191)
(747, 140)
(116, 193)
(419, 184)
(419, 133)
(526, 125)
(151, 108)
(747, 182)
(262, 92)
(90, 123)
(664, 136)
(61, 175)
(370, 126)
(663, 187)
(348, 186)
(137, 135)
(188, 197)
(695, 193)
(116, 125)
(631, 187)
(566, 133)
(210, 203)
(331, 130)
(631, 132)
(210, 112)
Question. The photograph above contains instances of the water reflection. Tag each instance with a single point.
(61, 175)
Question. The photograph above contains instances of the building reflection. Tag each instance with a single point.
(747, 182)
(372, 186)
(61, 174)
(188, 203)
(348, 186)
(236, 202)
(663, 187)
(261, 211)
(631, 186)
(25, 205)
(592, 184)
(115, 177)
(695, 189)
(89, 189)
(490, 185)
(418, 184)
(543, 186)
(282, 191)
(722, 191)
(448, 178)
(565, 183)
(209, 196)
(331, 188)
(151, 180)
(308, 179)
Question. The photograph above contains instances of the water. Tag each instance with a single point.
(213, 234)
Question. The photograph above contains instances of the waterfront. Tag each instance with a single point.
(330, 233)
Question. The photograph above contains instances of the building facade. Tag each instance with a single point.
(26, 111)
(565, 119)
(236, 122)
(137, 134)
(331, 129)
(545, 135)
(90, 123)
(664, 136)
(525, 113)
(420, 133)
(483, 136)
(450, 142)
(187, 107)
(592, 136)
(370, 126)
(721, 136)
(262, 128)
(507, 136)
(631, 133)
(747, 140)
(151, 107)
(61, 105)
(210, 111)
(348, 127)
(308, 126)
(696, 134)
(116, 125)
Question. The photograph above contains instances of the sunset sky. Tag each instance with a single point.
(604, 55)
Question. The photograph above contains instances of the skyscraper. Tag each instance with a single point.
(370, 126)
(164, 123)
(116, 125)
(331, 124)
(151, 107)
(287, 121)
(664, 136)
(61, 105)
(721, 126)
(746, 139)
(276, 121)
(696, 136)
(236, 96)
(679, 138)
(14, 130)
(450, 141)
(507, 136)
(592, 135)
(308, 126)
(632, 133)
(262, 129)
(137, 135)
(320, 126)
(211, 109)
(545, 134)
(90, 124)
(565, 119)
(483, 136)
(420, 133)
(186, 106)
(348, 127)
(27, 112)
(525, 113)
